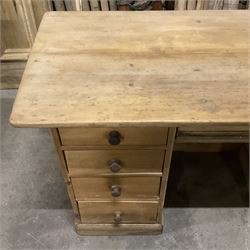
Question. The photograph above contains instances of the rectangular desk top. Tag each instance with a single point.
(137, 68)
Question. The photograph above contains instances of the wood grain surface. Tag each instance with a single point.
(99, 136)
(132, 188)
(97, 162)
(121, 229)
(101, 69)
(131, 212)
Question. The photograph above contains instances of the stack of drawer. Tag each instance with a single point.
(115, 173)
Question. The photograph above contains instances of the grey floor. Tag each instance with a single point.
(36, 214)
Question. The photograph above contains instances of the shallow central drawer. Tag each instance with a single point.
(118, 212)
(113, 136)
(116, 188)
(114, 161)
(213, 134)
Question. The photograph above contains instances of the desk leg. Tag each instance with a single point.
(166, 167)
(64, 170)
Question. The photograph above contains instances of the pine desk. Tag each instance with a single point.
(117, 89)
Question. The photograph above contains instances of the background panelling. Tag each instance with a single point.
(20, 19)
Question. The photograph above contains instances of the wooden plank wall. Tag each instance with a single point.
(20, 19)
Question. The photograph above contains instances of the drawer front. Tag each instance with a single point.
(114, 161)
(116, 188)
(113, 136)
(239, 134)
(207, 136)
(118, 212)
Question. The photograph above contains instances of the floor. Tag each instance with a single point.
(207, 205)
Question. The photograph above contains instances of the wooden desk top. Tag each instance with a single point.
(136, 69)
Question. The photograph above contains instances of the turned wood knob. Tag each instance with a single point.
(117, 217)
(116, 190)
(115, 165)
(114, 137)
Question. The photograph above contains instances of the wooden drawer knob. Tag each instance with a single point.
(117, 217)
(114, 137)
(115, 165)
(116, 190)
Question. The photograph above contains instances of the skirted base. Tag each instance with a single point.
(117, 229)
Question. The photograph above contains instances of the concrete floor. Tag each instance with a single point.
(36, 214)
